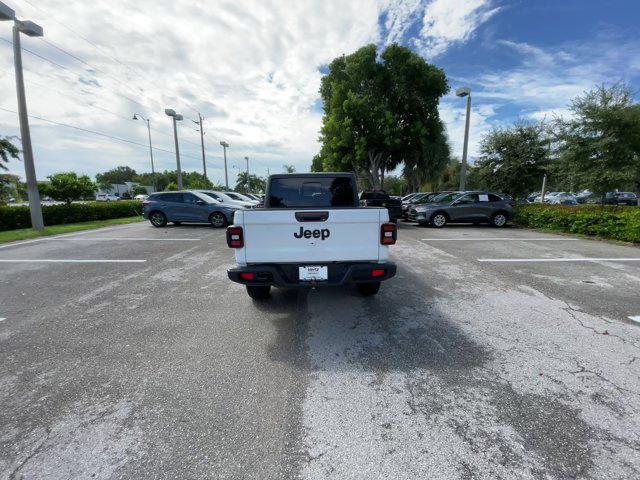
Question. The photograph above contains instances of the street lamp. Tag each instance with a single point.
(32, 30)
(176, 117)
(465, 92)
(225, 145)
(137, 116)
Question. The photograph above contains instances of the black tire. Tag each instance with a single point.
(218, 220)
(177, 223)
(499, 219)
(259, 292)
(368, 289)
(158, 219)
(438, 220)
(423, 224)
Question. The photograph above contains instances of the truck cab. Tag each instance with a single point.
(311, 232)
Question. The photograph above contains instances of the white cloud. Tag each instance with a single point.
(448, 22)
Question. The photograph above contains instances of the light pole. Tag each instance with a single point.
(199, 122)
(176, 117)
(225, 145)
(465, 92)
(136, 116)
(247, 181)
(32, 30)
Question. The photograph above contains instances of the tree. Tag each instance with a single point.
(7, 151)
(449, 178)
(599, 146)
(138, 190)
(67, 187)
(289, 168)
(254, 184)
(426, 165)
(512, 160)
(378, 113)
(9, 187)
(117, 175)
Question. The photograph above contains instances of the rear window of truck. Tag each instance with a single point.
(311, 192)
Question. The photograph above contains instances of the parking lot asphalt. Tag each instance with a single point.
(506, 353)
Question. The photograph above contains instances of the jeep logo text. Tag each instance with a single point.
(321, 234)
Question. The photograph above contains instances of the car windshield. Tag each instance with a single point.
(447, 197)
(234, 196)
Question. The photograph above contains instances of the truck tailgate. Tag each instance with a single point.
(279, 236)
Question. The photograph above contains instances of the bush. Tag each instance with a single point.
(619, 223)
(12, 218)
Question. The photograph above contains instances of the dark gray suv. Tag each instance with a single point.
(186, 206)
(464, 207)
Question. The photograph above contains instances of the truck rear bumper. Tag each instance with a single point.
(286, 275)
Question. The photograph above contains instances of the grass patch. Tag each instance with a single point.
(27, 233)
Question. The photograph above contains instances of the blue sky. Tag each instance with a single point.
(253, 68)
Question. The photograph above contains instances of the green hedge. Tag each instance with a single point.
(12, 218)
(619, 223)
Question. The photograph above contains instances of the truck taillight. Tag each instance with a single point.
(235, 237)
(388, 234)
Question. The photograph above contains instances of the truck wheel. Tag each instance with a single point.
(259, 292)
(368, 289)
(158, 219)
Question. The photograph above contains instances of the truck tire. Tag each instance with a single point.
(368, 289)
(259, 292)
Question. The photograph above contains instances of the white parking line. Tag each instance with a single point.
(64, 235)
(2, 319)
(541, 260)
(58, 260)
(507, 239)
(635, 318)
(127, 239)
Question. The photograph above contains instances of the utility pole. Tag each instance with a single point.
(32, 30)
(465, 92)
(247, 159)
(204, 164)
(225, 145)
(544, 188)
(153, 171)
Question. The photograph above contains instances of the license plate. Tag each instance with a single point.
(312, 273)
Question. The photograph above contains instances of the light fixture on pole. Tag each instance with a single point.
(32, 30)
(137, 116)
(225, 145)
(465, 92)
(176, 117)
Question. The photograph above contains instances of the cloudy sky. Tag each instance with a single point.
(253, 69)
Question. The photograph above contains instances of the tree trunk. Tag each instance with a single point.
(375, 160)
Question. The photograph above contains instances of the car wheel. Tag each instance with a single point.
(438, 220)
(217, 220)
(259, 292)
(158, 219)
(177, 223)
(499, 219)
(368, 289)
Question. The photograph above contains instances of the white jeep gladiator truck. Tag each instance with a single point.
(311, 232)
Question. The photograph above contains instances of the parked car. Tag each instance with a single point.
(141, 196)
(188, 207)
(562, 199)
(621, 198)
(383, 199)
(312, 233)
(463, 207)
(419, 199)
(225, 199)
(106, 197)
(254, 196)
(240, 197)
(408, 197)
